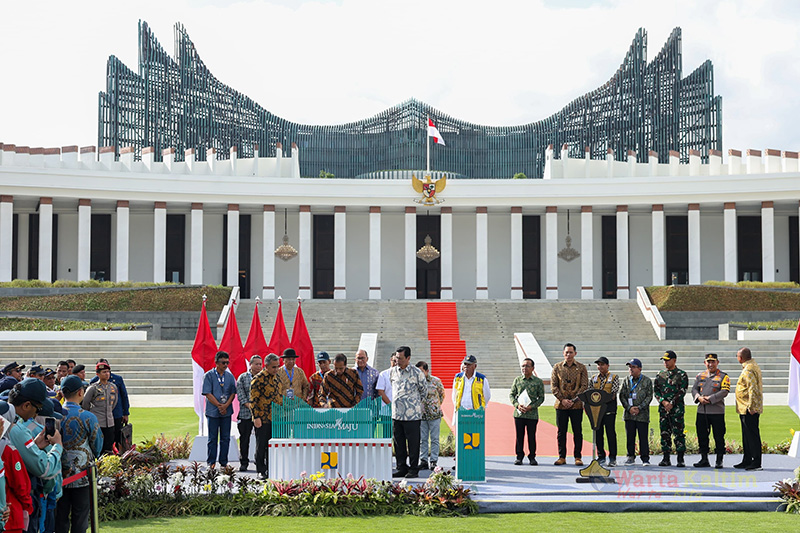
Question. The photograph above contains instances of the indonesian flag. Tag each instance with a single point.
(279, 340)
(301, 342)
(794, 374)
(203, 353)
(434, 132)
(232, 344)
(255, 344)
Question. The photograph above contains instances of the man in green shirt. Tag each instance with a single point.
(635, 396)
(526, 414)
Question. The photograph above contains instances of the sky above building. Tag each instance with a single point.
(327, 62)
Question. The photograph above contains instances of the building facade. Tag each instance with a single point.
(70, 213)
(178, 103)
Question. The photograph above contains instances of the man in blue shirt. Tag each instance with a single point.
(83, 443)
(367, 375)
(122, 409)
(219, 388)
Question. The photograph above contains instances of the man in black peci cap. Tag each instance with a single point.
(12, 374)
(608, 382)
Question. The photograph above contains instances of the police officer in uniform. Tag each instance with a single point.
(709, 391)
(669, 387)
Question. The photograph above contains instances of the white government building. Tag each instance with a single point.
(76, 214)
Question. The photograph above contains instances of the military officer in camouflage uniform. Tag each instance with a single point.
(670, 387)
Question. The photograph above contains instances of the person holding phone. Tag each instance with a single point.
(83, 443)
(100, 399)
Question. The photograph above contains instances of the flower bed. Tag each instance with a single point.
(131, 489)
(789, 492)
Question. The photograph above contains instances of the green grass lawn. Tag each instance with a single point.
(577, 523)
(776, 422)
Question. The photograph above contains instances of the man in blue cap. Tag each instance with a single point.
(315, 398)
(635, 396)
(28, 399)
(83, 443)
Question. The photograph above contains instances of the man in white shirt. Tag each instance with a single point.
(384, 384)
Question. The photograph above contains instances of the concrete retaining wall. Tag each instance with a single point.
(705, 324)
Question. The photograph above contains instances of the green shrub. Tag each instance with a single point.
(711, 298)
(755, 284)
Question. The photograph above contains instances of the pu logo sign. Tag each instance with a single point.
(329, 460)
(472, 441)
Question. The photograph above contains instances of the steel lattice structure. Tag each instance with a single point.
(179, 103)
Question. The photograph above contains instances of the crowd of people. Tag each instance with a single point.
(416, 398)
(53, 426)
(635, 393)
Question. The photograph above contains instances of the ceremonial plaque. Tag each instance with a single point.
(595, 403)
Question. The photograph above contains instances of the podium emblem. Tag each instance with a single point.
(472, 441)
(329, 460)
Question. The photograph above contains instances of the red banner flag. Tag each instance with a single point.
(203, 353)
(279, 340)
(301, 342)
(232, 343)
(255, 344)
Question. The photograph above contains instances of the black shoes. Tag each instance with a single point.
(742, 465)
(399, 473)
(412, 474)
(703, 462)
(665, 461)
(532, 461)
(680, 463)
(242, 468)
(753, 468)
(423, 465)
(518, 462)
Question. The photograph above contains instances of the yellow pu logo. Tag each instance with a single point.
(329, 460)
(472, 441)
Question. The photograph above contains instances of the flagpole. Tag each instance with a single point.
(428, 137)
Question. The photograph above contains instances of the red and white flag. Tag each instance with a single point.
(279, 340)
(232, 344)
(794, 374)
(203, 353)
(255, 344)
(301, 342)
(434, 132)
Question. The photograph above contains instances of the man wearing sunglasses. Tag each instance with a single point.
(219, 388)
(28, 399)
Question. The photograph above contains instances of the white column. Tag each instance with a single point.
(482, 254)
(659, 246)
(623, 290)
(516, 253)
(587, 256)
(374, 253)
(268, 259)
(411, 254)
(731, 250)
(123, 240)
(767, 241)
(84, 239)
(447, 253)
(45, 239)
(196, 245)
(6, 236)
(160, 242)
(339, 253)
(694, 244)
(304, 253)
(551, 252)
(233, 245)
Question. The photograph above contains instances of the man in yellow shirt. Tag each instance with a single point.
(749, 405)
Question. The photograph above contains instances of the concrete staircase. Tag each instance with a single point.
(153, 367)
(771, 356)
(336, 326)
(489, 327)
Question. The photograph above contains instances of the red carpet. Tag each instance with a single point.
(447, 348)
(500, 434)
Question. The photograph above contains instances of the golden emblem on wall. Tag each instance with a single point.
(428, 189)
